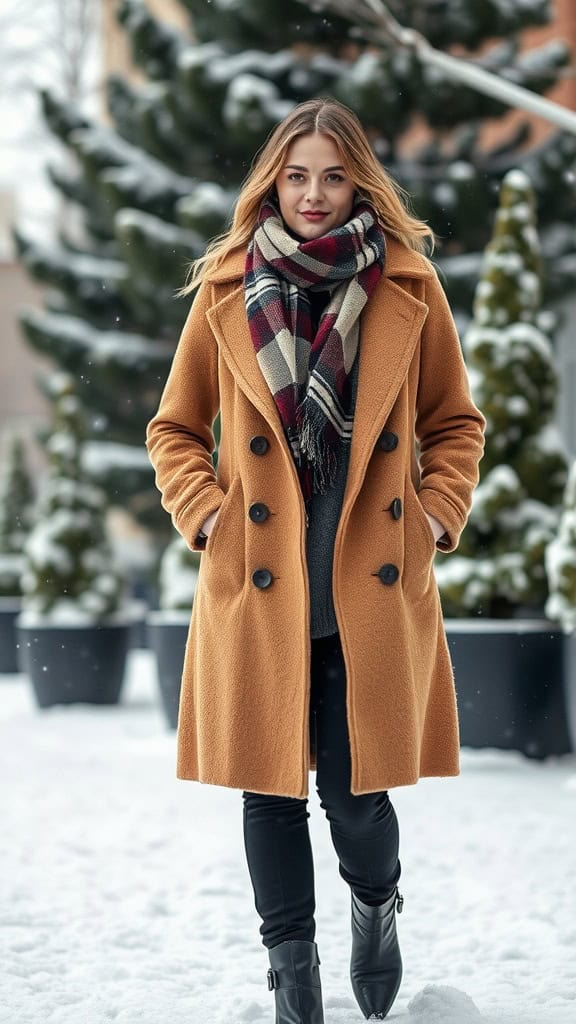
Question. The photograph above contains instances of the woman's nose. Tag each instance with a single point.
(314, 190)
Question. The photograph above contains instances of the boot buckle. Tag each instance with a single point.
(272, 979)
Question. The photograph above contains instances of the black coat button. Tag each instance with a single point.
(258, 512)
(262, 578)
(396, 508)
(388, 573)
(388, 440)
(259, 444)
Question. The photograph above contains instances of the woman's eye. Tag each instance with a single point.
(296, 174)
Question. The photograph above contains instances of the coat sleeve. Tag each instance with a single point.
(179, 438)
(449, 426)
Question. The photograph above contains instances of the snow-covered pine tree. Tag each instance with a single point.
(561, 562)
(452, 175)
(162, 181)
(69, 574)
(515, 512)
(16, 499)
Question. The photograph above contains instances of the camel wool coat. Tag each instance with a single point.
(244, 704)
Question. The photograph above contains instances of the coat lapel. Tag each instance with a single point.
(390, 328)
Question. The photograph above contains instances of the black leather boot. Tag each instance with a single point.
(295, 979)
(375, 964)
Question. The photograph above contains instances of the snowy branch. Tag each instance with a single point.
(376, 24)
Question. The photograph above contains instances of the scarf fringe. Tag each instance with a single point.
(321, 456)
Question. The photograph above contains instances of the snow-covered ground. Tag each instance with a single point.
(125, 895)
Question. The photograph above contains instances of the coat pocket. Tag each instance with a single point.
(424, 526)
(221, 517)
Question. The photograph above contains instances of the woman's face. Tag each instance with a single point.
(312, 179)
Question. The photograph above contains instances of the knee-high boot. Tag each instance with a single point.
(295, 978)
(376, 963)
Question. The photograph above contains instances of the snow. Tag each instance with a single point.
(129, 350)
(445, 196)
(560, 558)
(46, 544)
(225, 68)
(125, 162)
(201, 56)
(178, 576)
(524, 6)
(518, 179)
(126, 896)
(518, 211)
(100, 456)
(228, 5)
(248, 96)
(10, 562)
(460, 170)
(549, 439)
(11, 566)
(207, 200)
(539, 60)
(82, 267)
(63, 445)
(366, 69)
(155, 230)
(72, 613)
(484, 625)
(440, 1004)
(326, 64)
(515, 341)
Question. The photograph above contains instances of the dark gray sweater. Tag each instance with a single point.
(324, 515)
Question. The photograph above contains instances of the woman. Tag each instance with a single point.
(322, 334)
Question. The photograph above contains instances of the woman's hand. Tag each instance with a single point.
(436, 526)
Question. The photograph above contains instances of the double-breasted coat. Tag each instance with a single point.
(244, 704)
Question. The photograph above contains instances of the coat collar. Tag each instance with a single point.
(391, 325)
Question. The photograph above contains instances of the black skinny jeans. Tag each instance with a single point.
(364, 828)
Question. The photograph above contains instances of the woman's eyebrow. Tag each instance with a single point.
(298, 167)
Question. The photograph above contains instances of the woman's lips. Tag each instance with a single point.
(314, 216)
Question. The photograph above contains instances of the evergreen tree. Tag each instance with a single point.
(69, 573)
(16, 497)
(155, 187)
(561, 562)
(500, 563)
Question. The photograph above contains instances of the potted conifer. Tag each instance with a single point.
(561, 603)
(168, 627)
(75, 623)
(16, 497)
(509, 657)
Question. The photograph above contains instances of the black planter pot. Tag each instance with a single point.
(168, 632)
(74, 664)
(9, 612)
(515, 683)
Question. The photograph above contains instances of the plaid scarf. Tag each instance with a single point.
(308, 376)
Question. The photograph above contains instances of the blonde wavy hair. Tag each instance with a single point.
(329, 117)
